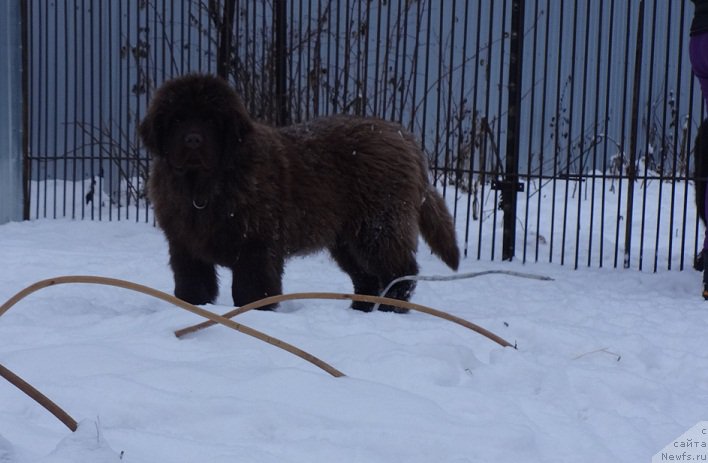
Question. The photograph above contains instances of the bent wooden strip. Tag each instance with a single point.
(353, 297)
(38, 397)
(214, 318)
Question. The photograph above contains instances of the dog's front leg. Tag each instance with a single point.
(257, 273)
(195, 280)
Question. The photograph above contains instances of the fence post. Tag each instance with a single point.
(511, 185)
(631, 174)
(223, 56)
(11, 170)
(281, 76)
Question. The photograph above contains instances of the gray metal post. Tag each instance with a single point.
(511, 185)
(11, 199)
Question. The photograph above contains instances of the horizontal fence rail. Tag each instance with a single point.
(603, 107)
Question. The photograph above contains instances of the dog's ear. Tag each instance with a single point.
(150, 131)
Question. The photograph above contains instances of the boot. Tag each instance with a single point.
(698, 262)
(705, 274)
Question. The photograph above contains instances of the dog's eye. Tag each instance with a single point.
(215, 123)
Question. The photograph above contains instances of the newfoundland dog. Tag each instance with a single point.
(230, 191)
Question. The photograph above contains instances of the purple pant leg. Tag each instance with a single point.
(698, 52)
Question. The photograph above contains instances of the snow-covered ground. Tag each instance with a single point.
(612, 364)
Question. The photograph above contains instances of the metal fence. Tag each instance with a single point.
(558, 130)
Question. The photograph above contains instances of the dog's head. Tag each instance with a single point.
(193, 122)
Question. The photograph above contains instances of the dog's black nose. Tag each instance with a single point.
(193, 140)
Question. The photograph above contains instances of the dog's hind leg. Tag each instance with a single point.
(195, 280)
(364, 283)
(402, 290)
(388, 252)
(257, 273)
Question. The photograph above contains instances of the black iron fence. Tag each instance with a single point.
(558, 130)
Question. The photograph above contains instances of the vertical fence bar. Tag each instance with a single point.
(471, 181)
(55, 99)
(596, 139)
(38, 17)
(606, 140)
(649, 162)
(66, 108)
(294, 76)
(281, 77)
(662, 166)
(144, 63)
(345, 105)
(83, 66)
(35, 89)
(556, 132)
(74, 107)
(542, 135)
(311, 72)
(447, 104)
(581, 148)
(114, 151)
(52, 88)
(497, 137)
(26, 103)
(487, 134)
(529, 155)
(363, 75)
(460, 149)
(682, 135)
(426, 78)
(405, 80)
(223, 64)
(125, 93)
(649, 115)
(438, 102)
(631, 174)
(569, 130)
(45, 132)
(386, 61)
(96, 106)
(448, 112)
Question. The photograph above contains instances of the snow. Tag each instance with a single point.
(611, 364)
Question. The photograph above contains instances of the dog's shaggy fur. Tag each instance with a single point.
(233, 192)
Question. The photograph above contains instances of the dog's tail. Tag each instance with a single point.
(438, 229)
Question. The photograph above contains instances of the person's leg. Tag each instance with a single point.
(698, 52)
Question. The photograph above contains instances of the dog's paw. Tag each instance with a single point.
(392, 308)
(362, 306)
(194, 296)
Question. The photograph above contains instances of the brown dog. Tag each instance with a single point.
(230, 191)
